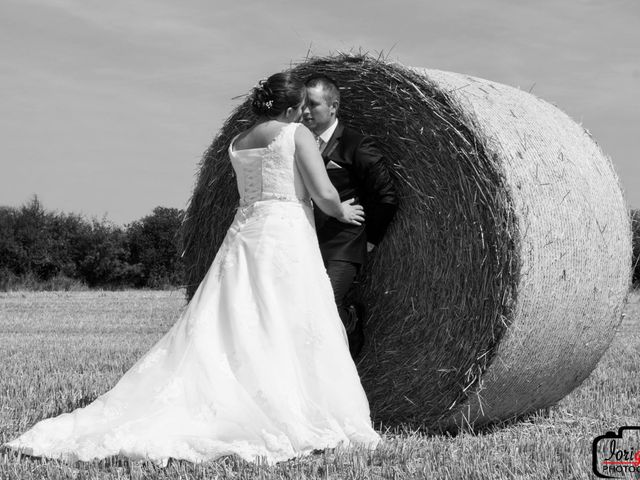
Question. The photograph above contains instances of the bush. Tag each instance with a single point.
(43, 250)
(155, 247)
(103, 257)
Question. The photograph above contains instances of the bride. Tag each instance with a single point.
(257, 365)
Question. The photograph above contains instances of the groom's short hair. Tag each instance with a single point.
(328, 84)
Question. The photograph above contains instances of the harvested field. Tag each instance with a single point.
(59, 351)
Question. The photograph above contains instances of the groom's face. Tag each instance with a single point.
(318, 114)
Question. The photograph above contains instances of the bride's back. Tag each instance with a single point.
(258, 136)
(263, 156)
(264, 163)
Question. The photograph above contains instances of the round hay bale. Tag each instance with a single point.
(502, 278)
(635, 229)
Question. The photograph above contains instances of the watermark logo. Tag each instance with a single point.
(617, 455)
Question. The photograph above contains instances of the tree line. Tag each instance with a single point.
(41, 249)
(46, 250)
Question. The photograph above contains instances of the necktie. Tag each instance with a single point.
(320, 144)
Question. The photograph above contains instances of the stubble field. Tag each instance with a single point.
(60, 350)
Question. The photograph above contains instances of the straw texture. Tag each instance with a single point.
(574, 246)
(502, 278)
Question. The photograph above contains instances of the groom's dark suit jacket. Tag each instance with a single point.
(357, 170)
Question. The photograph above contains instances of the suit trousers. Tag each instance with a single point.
(342, 274)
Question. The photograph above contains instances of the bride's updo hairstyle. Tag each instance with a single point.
(274, 95)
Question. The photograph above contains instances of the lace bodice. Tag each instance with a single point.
(269, 172)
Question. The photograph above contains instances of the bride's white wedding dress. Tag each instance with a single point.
(257, 364)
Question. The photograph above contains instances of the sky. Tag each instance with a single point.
(106, 107)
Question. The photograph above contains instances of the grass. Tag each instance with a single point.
(60, 350)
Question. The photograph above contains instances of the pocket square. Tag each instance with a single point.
(331, 165)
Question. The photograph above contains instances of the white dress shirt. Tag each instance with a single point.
(325, 136)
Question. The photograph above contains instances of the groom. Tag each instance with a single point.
(357, 170)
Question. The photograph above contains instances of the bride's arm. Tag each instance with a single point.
(314, 175)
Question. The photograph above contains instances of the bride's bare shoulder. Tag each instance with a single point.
(303, 134)
(245, 137)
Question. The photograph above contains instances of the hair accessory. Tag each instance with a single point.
(261, 83)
